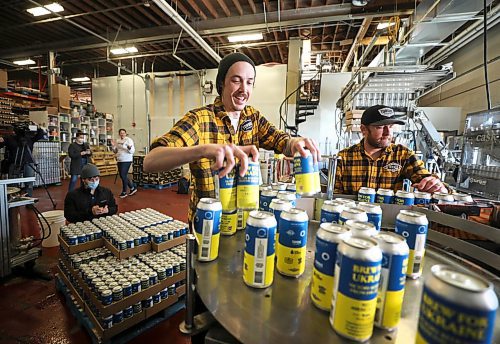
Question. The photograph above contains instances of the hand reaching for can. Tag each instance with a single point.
(228, 153)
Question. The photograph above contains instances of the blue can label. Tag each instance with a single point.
(384, 199)
(329, 217)
(258, 260)
(277, 214)
(251, 233)
(441, 321)
(293, 233)
(324, 259)
(366, 197)
(304, 174)
(207, 230)
(376, 219)
(264, 202)
(403, 200)
(414, 234)
(422, 200)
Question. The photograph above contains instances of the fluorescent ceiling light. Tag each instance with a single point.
(385, 25)
(360, 3)
(25, 62)
(245, 38)
(41, 11)
(122, 51)
(81, 79)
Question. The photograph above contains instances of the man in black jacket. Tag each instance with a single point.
(79, 152)
(90, 200)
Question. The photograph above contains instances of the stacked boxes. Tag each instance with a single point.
(160, 178)
(105, 161)
(46, 155)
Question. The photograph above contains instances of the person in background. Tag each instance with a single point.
(79, 152)
(124, 149)
(90, 200)
(19, 151)
(378, 163)
(213, 137)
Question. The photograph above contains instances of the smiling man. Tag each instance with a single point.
(378, 163)
(215, 136)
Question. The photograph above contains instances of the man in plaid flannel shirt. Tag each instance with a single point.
(377, 163)
(213, 137)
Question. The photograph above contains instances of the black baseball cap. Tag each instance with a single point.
(224, 66)
(380, 115)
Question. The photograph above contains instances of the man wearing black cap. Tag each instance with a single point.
(378, 163)
(90, 200)
(212, 137)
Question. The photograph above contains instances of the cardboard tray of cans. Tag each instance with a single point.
(126, 301)
(126, 323)
(129, 252)
(71, 249)
(168, 244)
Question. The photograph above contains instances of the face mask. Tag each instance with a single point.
(93, 185)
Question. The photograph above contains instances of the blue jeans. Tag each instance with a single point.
(72, 182)
(123, 168)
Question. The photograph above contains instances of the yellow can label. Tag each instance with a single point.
(208, 247)
(290, 261)
(321, 289)
(354, 318)
(415, 263)
(258, 260)
(304, 174)
(228, 223)
(242, 216)
(248, 188)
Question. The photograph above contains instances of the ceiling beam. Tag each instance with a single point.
(359, 36)
(210, 8)
(236, 4)
(224, 7)
(221, 26)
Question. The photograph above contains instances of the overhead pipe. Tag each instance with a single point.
(165, 7)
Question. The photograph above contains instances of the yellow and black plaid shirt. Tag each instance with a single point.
(357, 169)
(211, 124)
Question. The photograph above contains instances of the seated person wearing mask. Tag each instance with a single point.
(376, 162)
(90, 200)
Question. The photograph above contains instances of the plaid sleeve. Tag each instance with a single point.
(271, 138)
(339, 186)
(414, 168)
(185, 133)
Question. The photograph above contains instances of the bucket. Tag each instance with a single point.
(56, 219)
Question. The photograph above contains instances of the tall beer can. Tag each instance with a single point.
(248, 187)
(207, 228)
(292, 241)
(304, 174)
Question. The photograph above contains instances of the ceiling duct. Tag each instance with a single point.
(443, 18)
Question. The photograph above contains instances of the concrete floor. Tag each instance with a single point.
(32, 311)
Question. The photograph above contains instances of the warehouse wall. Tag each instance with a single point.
(467, 90)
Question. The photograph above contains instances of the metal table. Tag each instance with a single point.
(284, 313)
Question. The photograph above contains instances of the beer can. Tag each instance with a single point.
(265, 187)
(291, 187)
(279, 186)
(366, 194)
(353, 214)
(304, 174)
(442, 198)
(404, 198)
(457, 308)
(327, 239)
(384, 196)
(355, 288)
(392, 279)
(462, 198)
(229, 223)
(241, 216)
(288, 196)
(412, 226)
(422, 197)
(207, 228)
(317, 178)
(292, 241)
(348, 203)
(248, 187)
(265, 198)
(258, 261)
(330, 211)
(374, 213)
(360, 228)
(276, 207)
(227, 190)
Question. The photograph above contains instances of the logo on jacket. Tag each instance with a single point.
(247, 125)
(386, 112)
(393, 167)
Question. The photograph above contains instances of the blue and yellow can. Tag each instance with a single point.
(303, 168)
(229, 223)
(392, 279)
(258, 260)
(265, 198)
(292, 241)
(413, 227)
(248, 187)
(404, 198)
(207, 228)
(354, 301)
(327, 239)
(227, 191)
(317, 179)
(241, 218)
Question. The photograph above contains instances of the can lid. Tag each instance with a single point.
(333, 227)
(360, 225)
(362, 243)
(459, 279)
(389, 237)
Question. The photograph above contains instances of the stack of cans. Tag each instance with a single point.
(80, 233)
(144, 218)
(167, 231)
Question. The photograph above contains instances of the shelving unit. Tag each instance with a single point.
(64, 131)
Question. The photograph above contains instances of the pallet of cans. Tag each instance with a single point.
(79, 237)
(117, 294)
(167, 235)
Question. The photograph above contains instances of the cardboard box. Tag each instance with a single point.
(52, 110)
(71, 249)
(3, 78)
(168, 244)
(122, 254)
(60, 95)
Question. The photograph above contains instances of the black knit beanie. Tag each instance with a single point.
(224, 66)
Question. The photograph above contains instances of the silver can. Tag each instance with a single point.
(361, 229)
(442, 198)
(384, 196)
(374, 213)
(353, 214)
(330, 211)
(288, 196)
